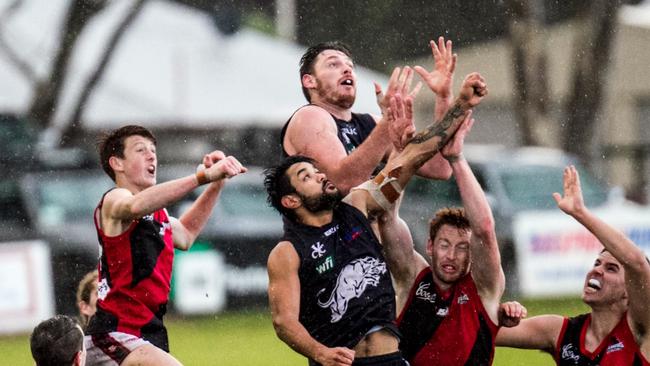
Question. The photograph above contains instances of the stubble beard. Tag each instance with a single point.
(333, 97)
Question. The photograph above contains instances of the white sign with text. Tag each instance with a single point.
(554, 252)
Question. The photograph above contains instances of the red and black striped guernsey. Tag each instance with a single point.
(134, 279)
(450, 328)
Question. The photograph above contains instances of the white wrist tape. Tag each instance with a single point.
(385, 190)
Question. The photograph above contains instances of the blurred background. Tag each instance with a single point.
(569, 83)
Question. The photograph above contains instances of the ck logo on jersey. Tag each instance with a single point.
(353, 234)
(462, 299)
(317, 250)
(327, 264)
(423, 293)
(569, 354)
(618, 346)
(442, 312)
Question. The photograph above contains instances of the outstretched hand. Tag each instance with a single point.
(400, 120)
(473, 90)
(440, 79)
(511, 313)
(572, 202)
(399, 83)
(454, 148)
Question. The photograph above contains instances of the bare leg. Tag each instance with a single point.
(149, 354)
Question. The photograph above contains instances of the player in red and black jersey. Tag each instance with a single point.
(617, 289)
(137, 240)
(448, 311)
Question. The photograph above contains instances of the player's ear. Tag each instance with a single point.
(291, 201)
(115, 163)
(308, 81)
(429, 247)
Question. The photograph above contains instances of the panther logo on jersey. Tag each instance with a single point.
(351, 283)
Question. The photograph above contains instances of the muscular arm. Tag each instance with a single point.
(187, 228)
(402, 259)
(637, 268)
(486, 264)
(120, 206)
(284, 300)
(312, 132)
(539, 332)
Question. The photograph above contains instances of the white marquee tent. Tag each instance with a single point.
(172, 67)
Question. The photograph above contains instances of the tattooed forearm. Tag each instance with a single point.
(440, 128)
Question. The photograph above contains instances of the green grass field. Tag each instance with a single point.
(248, 339)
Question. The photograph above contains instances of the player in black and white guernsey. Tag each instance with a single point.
(329, 288)
(349, 147)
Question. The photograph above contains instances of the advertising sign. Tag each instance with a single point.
(554, 252)
(26, 295)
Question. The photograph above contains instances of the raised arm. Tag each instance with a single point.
(121, 206)
(284, 300)
(312, 132)
(440, 79)
(399, 170)
(486, 260)
(187, 228)
(637, 268)
(403, 260)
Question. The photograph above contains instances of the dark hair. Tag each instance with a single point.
(448, 216)
(278, 183)
(87, 284)
(308, 59)
(56, 341)
(112, 144)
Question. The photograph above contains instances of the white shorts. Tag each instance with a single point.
(110, 349)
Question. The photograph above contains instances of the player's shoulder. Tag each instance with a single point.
(283, 253)
(116, 194)
(311, 113)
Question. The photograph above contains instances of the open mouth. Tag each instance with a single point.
(347, 82)
(327, 185)
(448, 268)
(594, 283)
(151, 170)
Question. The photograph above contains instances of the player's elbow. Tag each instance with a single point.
(485, 227)
(280, 324)
(638, 263)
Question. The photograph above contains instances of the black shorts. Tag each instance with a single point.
(391, 359)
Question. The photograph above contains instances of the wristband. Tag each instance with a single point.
(201, 178)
